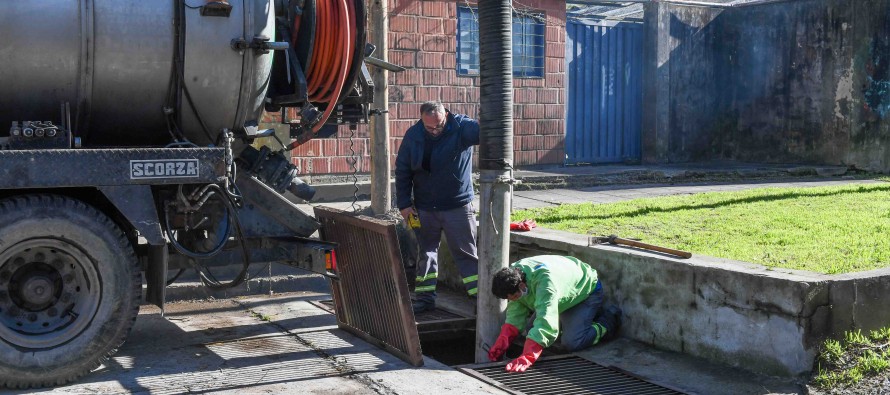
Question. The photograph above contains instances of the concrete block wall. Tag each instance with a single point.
(423, 39)
(763, 320)
(788, 82)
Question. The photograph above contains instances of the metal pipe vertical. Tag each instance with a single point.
(495, 198)
(381, 166)
(495, 163)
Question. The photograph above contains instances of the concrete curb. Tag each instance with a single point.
(667, 176)
(283, 279)
(341, 192)
(258, 286)
(767, 320)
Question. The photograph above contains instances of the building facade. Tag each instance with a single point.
(437, 42)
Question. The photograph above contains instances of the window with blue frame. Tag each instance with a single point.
(528, 43)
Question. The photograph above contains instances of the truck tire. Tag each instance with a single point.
(70, 289)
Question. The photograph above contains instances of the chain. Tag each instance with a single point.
(353, 159)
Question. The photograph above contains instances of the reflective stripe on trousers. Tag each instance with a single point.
(426, 283)
(459, 226)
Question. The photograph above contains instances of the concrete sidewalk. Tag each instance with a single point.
(341, 188)
(526, 199)
(616, 193)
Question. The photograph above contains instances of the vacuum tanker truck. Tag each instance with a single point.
(129, 155)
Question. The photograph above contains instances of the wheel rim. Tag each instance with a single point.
(49, 293)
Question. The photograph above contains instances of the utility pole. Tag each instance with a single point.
(495, 163)
(381, 169)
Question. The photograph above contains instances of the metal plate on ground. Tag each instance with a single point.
(370, 293)
(326, 305)
(564, 375)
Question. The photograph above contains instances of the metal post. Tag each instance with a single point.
(381, 168)
(496, 191)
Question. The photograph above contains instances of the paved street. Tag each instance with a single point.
(259, 345)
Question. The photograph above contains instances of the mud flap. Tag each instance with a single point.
(156, 275)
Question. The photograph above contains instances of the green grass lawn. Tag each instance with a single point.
(824, 229)
(857, 356)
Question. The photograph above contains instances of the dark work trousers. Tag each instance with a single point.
(585, 324)
(459, 226)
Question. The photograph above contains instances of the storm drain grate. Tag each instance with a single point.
(565, 375)
(369, 289)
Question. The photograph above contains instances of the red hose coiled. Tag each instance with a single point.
(332, 53)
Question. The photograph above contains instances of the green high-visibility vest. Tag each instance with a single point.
(555, 284)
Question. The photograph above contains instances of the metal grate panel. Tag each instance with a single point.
(566, 375)
(370, 294)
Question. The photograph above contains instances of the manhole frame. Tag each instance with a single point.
(427, 330)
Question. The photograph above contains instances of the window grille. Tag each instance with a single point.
(528, 43)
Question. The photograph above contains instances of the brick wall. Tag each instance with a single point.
(423, 39)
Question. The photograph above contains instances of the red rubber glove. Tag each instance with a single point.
(524, 225)
(508, 333)
(530, 354)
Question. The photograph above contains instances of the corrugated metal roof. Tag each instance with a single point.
(621, 10)
(704, 3)
(725, 3)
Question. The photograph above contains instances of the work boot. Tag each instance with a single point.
(611, 319)
(420, 306)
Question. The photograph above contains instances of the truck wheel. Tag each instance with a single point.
(70, 290)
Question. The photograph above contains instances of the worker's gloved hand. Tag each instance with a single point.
(508, 333)
(524, 225)
(530, 354)
(407, 212)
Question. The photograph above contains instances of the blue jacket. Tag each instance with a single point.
(448, 184)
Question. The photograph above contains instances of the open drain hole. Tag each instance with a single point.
(458, 350)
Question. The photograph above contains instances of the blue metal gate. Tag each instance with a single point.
(604, 63)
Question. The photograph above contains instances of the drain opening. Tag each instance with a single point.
(456, 350)
(446, 336)
(566, 375)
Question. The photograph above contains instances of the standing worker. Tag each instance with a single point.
(434, 165)
(564, 293)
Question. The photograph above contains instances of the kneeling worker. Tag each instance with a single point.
(564, 293)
